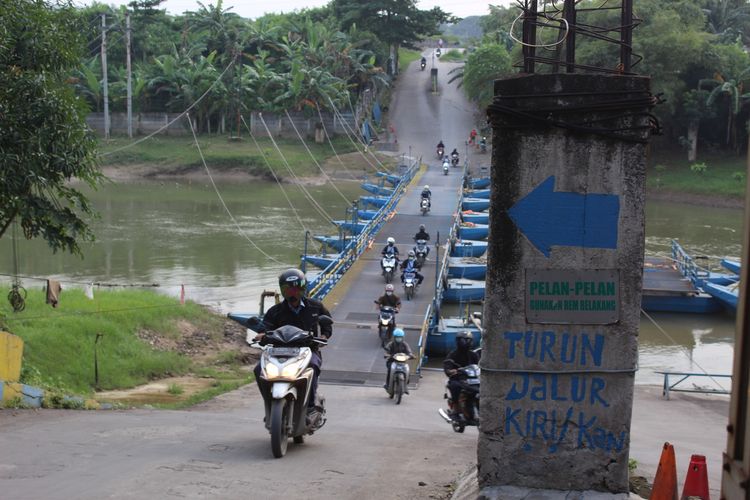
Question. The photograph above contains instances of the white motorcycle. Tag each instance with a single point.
(388, 263)
(420, 251)
(424, 205)
(410, 284)
(398, 379)
(445, 168)
(285, 383)
(386, 323)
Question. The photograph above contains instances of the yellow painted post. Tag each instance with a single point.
(11, 352)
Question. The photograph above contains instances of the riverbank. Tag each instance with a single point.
(136, 337)
(715, 180)
(168, 158)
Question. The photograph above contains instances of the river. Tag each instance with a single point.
(179, 233)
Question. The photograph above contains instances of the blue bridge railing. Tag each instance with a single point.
(321, 285)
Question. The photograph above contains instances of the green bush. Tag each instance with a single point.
(699, 168)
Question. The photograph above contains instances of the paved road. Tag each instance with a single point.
(421, 118)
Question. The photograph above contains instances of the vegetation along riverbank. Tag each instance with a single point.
(714, 180)
(137, 336)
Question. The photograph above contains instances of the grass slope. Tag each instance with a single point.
(59, 343)
(723, 176)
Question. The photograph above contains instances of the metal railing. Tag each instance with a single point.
(321, 285)
(432, 316)
(686, 265)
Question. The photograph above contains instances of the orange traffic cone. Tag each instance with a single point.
(696, 481)
(665, 482)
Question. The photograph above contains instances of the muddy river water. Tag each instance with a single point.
(179, 233)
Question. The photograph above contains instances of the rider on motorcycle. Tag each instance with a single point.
(395, 346)
(454, 156)
(422, 234)
(410, 266)
(483, 143)
(390, 247)
(426, 193)
(390, 299)
(300, 311)
(461, 356)
(423, 62)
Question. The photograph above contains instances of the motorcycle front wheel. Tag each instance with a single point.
(399, 387)
(279, 424)
(382, 333)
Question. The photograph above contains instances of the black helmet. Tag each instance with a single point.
(293, 284)
(464, 340)
(421, 227)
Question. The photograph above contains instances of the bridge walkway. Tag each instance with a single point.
(354, 356)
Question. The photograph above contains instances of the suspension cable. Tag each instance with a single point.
(301, 185)
(169, 123)
(221, 199)
(346, 128)
(330, 142)
(304, 143)
(273, 173)
(683, 349)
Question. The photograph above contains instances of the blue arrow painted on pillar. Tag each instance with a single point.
(548, 218)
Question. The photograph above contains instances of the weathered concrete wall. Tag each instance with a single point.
(557, 381)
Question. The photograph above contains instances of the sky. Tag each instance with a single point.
(256, 8)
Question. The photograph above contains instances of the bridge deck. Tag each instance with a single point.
(354, 355)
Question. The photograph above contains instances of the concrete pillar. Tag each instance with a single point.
(563, 283)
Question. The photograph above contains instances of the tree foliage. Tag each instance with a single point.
(44, 141)
(686, 45)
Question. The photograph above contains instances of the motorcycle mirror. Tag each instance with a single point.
(324, 320)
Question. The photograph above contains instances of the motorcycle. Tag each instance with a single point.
(454, 160)
(440, 152)
(388, 263)
(398, 379)
(445, 169)
(285, 384)
(465, 411)
(410, 284)
(438, 52)
(386, 324)
(424, 205)
(482, 146)
(423, 65)
(420, 250)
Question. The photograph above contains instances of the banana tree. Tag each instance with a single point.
(731, 91)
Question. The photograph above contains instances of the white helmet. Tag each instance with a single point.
(391, 240)
(426, 186)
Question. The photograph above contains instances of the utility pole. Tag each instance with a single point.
(130, 75)
(105, 93)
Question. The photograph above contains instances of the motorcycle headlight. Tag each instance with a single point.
(289, 371)
(272, 371)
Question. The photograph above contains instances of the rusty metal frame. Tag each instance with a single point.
(569, 22)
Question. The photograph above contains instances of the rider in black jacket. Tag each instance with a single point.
(300, 311)
(458, 358)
